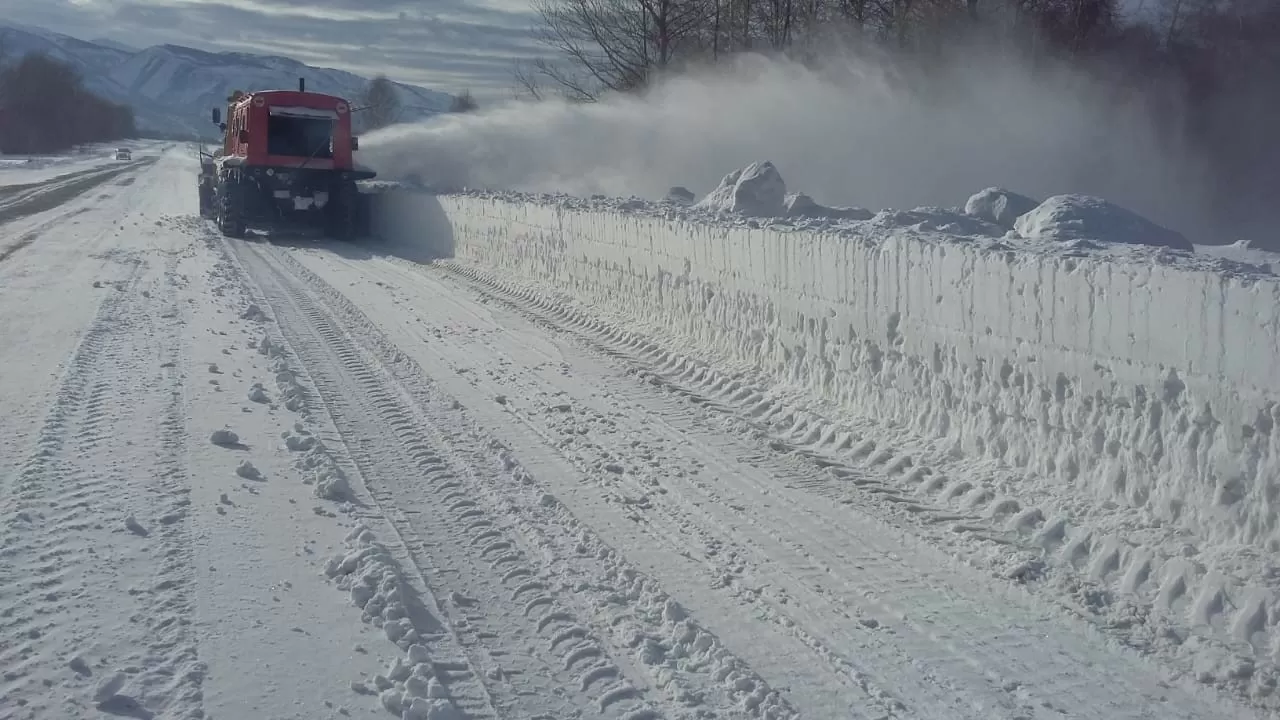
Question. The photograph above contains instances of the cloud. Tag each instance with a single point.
(447, 45)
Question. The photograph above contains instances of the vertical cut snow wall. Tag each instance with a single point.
(1140, 384)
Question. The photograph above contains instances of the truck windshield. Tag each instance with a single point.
(300, 136)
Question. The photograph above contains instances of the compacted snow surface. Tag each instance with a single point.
(536, 457)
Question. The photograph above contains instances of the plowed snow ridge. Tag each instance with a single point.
(1058, 413)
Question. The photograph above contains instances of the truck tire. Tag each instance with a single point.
(206, 199)
(363, 214)
(340, 213)
(229, 208)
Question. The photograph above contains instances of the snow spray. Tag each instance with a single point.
(852, 132)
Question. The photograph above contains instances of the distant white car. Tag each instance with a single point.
(123, 154)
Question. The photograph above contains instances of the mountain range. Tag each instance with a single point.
(171, 88)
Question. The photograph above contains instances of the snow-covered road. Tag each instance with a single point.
(447, 498)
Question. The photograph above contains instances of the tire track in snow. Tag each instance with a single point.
(47, 196)
(641, 619)
(1000, 668)
(749, 693)
(489, 612)
(1118, 584)
(46, 473)
(104, 492)
(851, 645)
(671, 533)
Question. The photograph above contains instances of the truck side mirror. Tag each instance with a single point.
(355, 143)
(217, 116)
(222, 127)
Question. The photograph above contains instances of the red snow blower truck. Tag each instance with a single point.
(285, 164)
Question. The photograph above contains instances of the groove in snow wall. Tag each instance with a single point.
(1135, 384)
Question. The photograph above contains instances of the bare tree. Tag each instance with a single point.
(44, 107)
(464, 102)
(381, 104)
(613, 45)
(526, 81)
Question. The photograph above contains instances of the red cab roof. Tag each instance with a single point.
(294, 97)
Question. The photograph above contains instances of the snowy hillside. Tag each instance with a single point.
(172, 88)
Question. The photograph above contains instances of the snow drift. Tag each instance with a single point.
(1141, 381)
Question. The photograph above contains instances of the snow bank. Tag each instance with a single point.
(1147, 380)
(756, 190)
(999, 206)
(1081, 217)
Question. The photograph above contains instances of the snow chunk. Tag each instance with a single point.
(756, 190)
(934, 219)
(391, 699)
(258, 394)
(417, 653)
(247, 470)
(423, 709)
(110, 686)
(253, 312)
(681, 195)
(1084, 217)
(999, 206)
(300, 443)
(802, 206)
(370, 576)
(224, 437)
(331, 484)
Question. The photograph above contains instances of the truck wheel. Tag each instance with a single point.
(230, 221)
(363, 214)
(206, 202)
(340, 220)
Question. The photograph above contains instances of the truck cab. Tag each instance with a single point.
(289, 129)
(286, 160)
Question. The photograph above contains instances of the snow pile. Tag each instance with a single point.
(1079, 370)
(368, 573)
(999, 206)
(756, 190)
(803, 206)
(682, 195)
(224, 437)
(254, 313)
(1081, 217)
(248, 471)
(257, 393)
(756, 196)
(291, 391)
(316, 464)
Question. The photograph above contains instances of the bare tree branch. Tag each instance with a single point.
(381, 104)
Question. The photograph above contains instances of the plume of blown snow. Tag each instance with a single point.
(854, 131)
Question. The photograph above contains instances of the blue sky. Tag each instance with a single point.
(449, 45)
